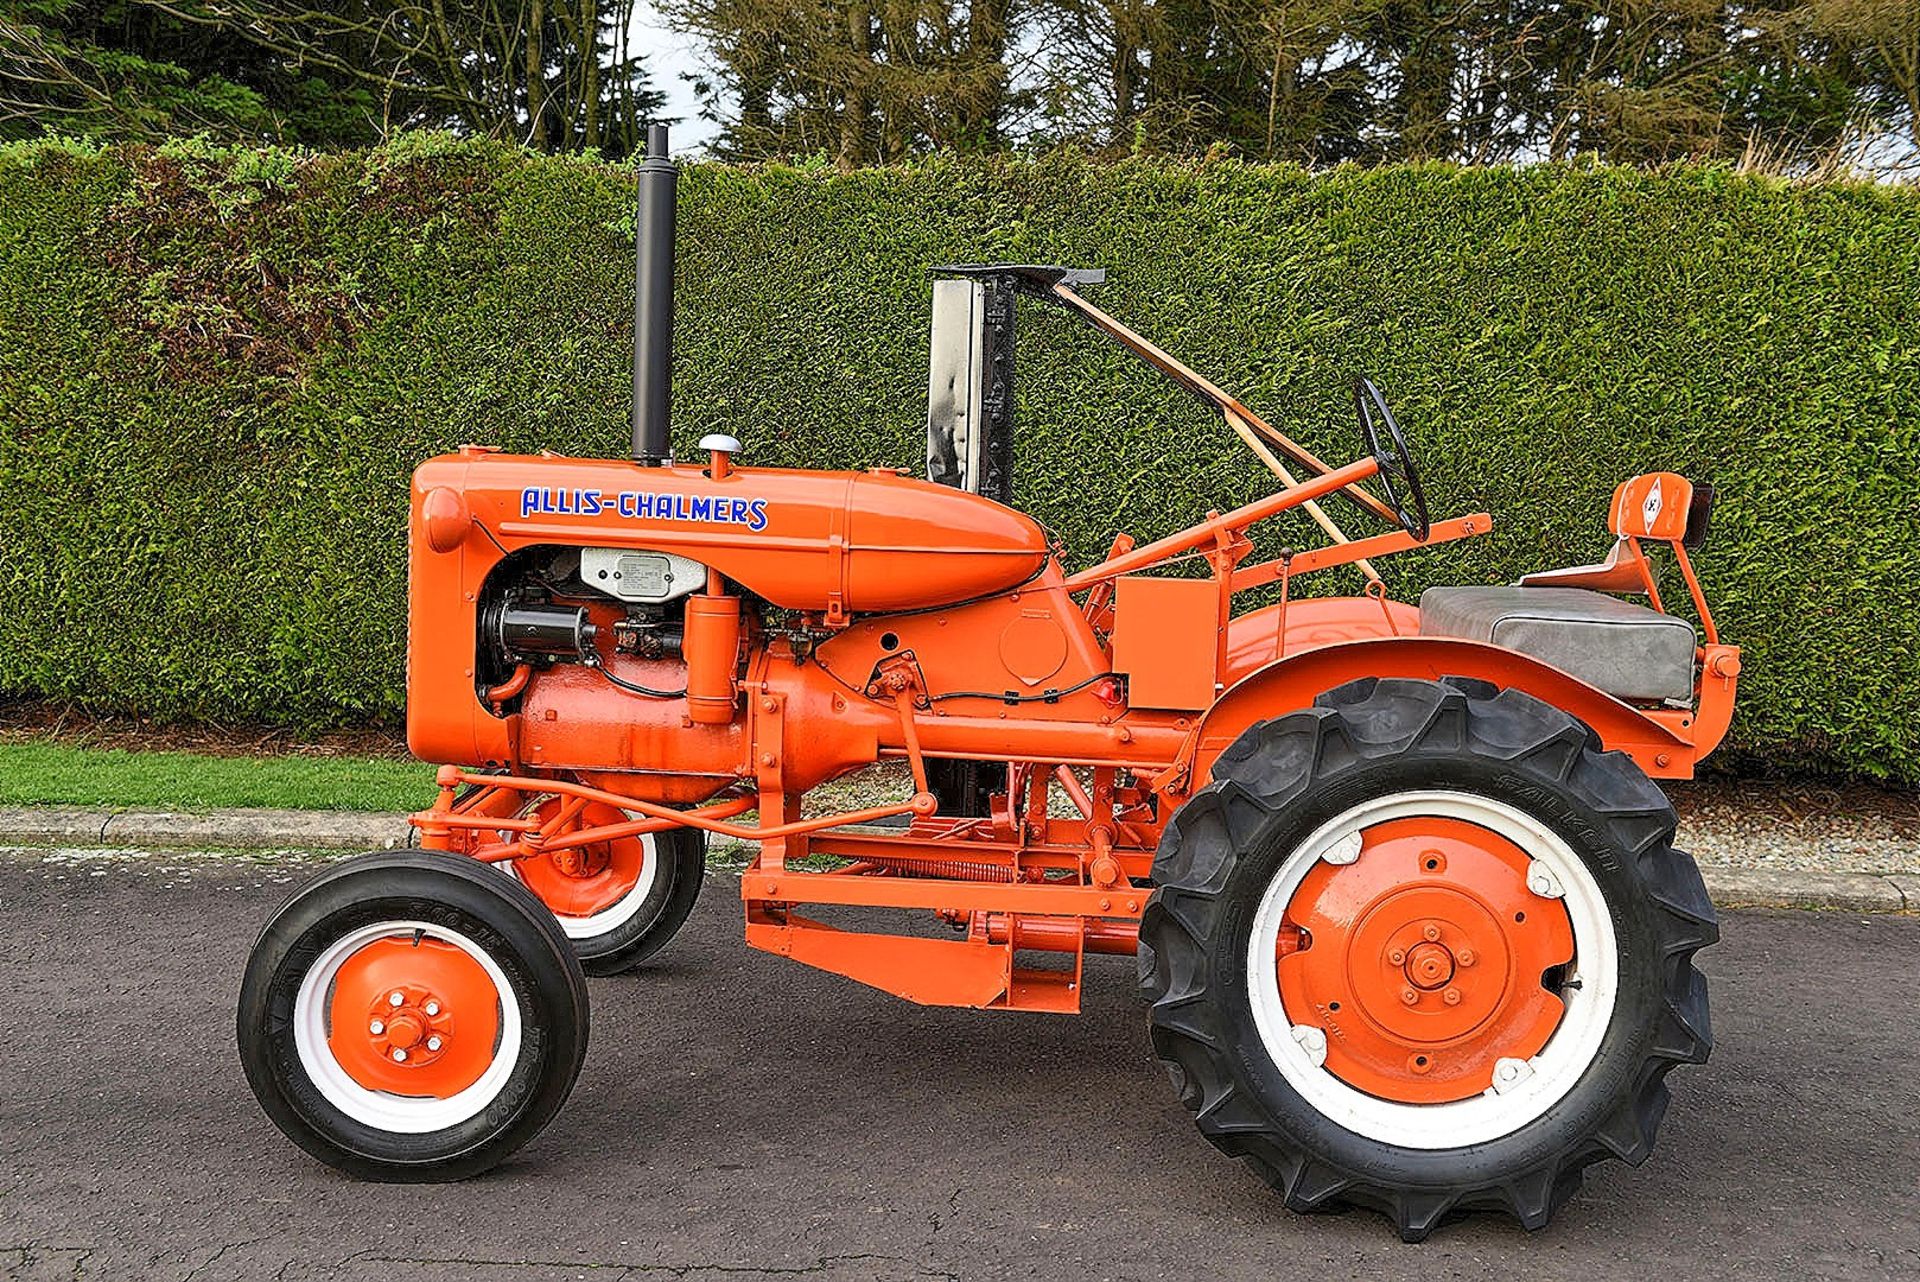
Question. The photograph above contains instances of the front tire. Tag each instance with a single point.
(1425, 947)
(412, 1016)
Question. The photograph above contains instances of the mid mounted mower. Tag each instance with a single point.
(1409, 924)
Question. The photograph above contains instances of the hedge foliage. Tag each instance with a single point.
(217, 368)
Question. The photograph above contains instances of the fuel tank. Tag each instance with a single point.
(838, 542)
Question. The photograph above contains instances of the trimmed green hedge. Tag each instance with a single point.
(216, 370)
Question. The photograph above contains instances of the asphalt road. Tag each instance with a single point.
(740, 1115)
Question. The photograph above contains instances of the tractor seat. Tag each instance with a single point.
(1627, 650)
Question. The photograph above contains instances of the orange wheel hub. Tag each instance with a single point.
(1424, 960)
(413, 1017)
(583, 880)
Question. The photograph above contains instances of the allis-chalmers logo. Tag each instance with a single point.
(639, 505)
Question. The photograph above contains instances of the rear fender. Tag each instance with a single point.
(1312, 622)
(1292, 683)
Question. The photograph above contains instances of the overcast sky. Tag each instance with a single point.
(671, 56)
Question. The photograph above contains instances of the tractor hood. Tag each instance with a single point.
(841, 543)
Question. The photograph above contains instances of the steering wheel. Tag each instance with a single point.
(1399, 478)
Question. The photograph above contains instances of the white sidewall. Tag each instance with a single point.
(622, 910)
(1558, 1066)
(400, 1114)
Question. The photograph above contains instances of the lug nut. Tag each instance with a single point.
(1430, 932)
(1464, 957)
(433, 1043)
(1397, 956)
(399, 1056)
(376, 1028)
(397, 998)
(1451, 997)
(1408, 996)
(433, 1008)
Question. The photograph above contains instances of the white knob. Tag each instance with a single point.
(720, 443)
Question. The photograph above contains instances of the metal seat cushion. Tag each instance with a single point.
(1627, 650)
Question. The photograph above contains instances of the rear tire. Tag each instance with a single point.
(477, 1054)
(1300, 825)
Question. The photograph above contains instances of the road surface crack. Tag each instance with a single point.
(214, 1259)
(35, 1252)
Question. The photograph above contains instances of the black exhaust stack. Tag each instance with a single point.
(653, 302)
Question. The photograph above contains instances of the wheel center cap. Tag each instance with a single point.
(582, 861)
(404, 1031)
(1429, 966)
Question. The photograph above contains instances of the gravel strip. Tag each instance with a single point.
(1754, 824)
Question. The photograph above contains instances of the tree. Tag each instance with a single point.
(557, 74)
(1885, 34)
(863, 81)
(132, 71)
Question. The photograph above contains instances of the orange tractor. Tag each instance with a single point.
(1407, 917)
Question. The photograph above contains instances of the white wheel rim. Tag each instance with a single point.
(1556, 1068)
(400, 1114)
(623, 909)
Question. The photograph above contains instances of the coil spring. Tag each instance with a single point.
(946, 869)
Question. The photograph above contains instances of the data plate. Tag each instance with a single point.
(651, 577)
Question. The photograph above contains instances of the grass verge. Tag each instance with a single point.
(55, 774)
